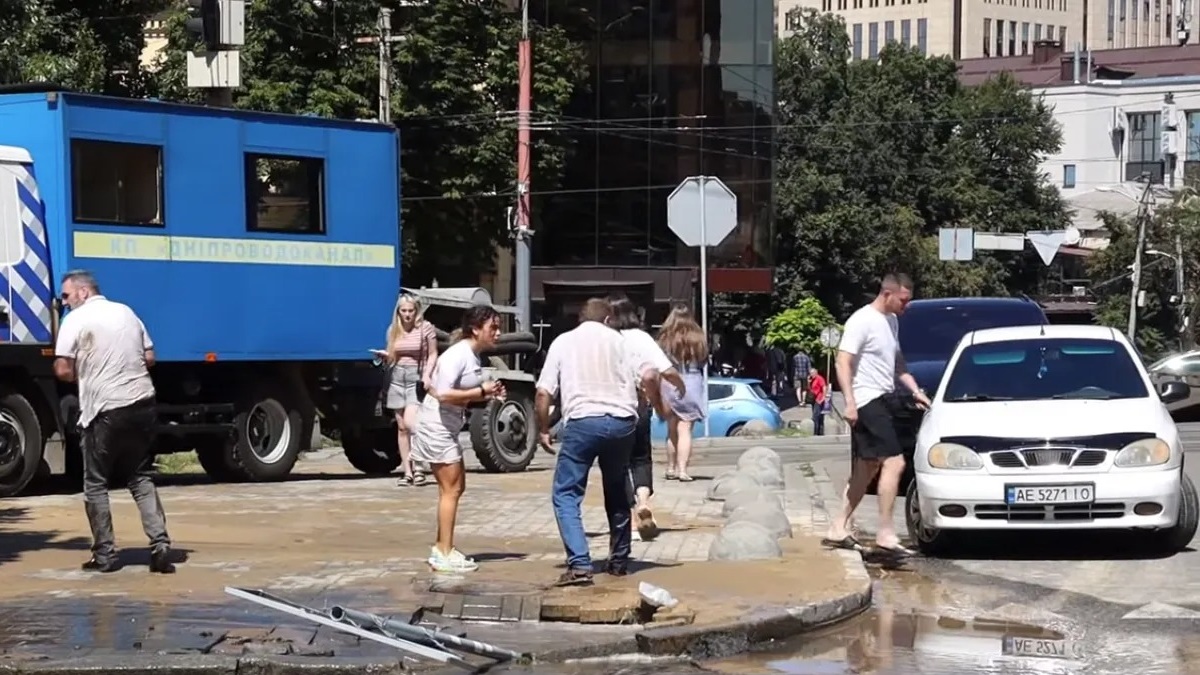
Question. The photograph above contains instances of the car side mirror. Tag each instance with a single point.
(1175, 390)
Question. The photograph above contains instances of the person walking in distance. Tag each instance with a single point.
(412, 355)
(684, 343)
(104, 347)
(868, 365)
(801, 367)
(599, 406)
(818, 390)
(648, 360)
(458, 380)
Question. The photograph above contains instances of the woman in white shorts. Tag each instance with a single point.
(456, 382)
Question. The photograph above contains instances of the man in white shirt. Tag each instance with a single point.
(868, 364)
(598, 387)
(104, 347)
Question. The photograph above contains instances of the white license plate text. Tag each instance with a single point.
(1050, 494)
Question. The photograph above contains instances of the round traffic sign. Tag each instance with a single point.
(830, 337)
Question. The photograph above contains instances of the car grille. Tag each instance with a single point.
(1035, 512)
(1044, 457)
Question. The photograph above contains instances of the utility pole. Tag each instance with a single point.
(1143, 218)
(1184, 342)
(384, 39)
(522, 232)
(385, 65)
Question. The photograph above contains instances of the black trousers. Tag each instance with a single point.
(641, 459)
(116, 452)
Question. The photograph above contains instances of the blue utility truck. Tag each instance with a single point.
(261, 251)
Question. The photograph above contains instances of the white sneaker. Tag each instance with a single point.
(452, 563)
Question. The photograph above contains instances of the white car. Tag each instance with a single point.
(1047, 428)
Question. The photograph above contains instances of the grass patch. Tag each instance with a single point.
(177, 463)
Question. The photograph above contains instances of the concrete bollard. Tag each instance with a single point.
(767, 513)
(744, 541)
(758, 454)
(741, 498)
(765, 473)
(729, 482)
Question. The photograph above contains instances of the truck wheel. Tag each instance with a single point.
(268, 440)
(374, 452)
(502, 434)
(213, 454)
(20, 443)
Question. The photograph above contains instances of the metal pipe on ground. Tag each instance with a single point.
(422, 635)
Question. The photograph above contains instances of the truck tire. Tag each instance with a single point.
(268, 439)
(503, 435)
(374, 452)
(20, 443)
(213, 454)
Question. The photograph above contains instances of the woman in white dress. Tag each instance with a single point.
(457, 381)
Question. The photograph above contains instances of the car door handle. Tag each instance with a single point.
(725, 407)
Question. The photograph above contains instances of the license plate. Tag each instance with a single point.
(1037, 648)
(1050, 494)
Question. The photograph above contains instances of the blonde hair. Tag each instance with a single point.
(396, 329)
(682, 338)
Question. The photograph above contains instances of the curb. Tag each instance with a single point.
(764, 625)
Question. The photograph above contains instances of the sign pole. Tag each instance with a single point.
(704, 293)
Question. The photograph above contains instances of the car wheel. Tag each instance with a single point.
(931, 541)
(1178, 537)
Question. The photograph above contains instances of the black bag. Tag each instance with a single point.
(421, 369)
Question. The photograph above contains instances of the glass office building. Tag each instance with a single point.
(676, 88)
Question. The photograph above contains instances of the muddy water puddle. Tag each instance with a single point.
(890, 641)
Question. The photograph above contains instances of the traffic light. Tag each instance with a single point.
(204, 21)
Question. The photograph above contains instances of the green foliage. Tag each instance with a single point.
(799, 328)
(1159, 320)
(876, 156)
(87, 46)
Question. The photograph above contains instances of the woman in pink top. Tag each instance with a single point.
(411, 353)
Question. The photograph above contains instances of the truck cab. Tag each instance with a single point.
(260, 250)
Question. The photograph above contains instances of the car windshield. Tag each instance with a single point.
(932, 332)
(1045, 368)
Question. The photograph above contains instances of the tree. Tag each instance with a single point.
(876, 156)
(86, 46)
(454, 90)
(1160, 319)
(799, 328)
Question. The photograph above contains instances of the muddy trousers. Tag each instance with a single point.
(117, 452)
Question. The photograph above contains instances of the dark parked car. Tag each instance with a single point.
(929, 332)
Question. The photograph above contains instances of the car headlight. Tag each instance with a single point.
(1146, 452)
(953, 456)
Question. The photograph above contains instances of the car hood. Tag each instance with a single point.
(928, 373)
(1047, 419)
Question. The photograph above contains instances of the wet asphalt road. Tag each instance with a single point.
(1108, 607)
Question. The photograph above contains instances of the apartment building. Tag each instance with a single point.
(967, 29)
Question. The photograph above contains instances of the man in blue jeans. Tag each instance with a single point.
(596, 381)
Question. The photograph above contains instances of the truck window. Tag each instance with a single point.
(285, 194)
(12, 239)
(116, 183)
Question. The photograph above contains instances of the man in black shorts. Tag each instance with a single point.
(868, 364)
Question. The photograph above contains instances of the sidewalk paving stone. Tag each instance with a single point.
(330, 536)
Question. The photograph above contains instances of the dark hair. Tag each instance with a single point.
(82, 278)
(595, 309)
(895, 281)
(625, 313)
(476, 317)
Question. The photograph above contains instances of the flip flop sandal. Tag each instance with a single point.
(899, 550)
(684, 478)
(847, 543)
(671, 475)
